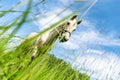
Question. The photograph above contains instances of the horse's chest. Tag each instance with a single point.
(43, 38)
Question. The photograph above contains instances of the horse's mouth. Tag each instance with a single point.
(63, 40)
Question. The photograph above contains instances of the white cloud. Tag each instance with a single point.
(70, 45)
(99, 67)
(95, 51)
(51, 17)
(66, 2)
(93, 37)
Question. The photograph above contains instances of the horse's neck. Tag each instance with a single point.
(53, 35)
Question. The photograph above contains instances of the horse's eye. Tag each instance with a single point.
(68, 23)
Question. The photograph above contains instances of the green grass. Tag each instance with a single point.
(43, 67)
(17, 65)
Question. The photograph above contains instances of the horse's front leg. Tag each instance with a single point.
(34, 52)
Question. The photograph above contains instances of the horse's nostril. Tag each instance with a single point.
(65, 39)
(68, 23)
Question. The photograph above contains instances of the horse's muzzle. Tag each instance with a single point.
(64, 40)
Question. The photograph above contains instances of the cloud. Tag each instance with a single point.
(99, 66)
(66, 2)
(94, 37)
(51, 17)
(95, 51)
(70, 45)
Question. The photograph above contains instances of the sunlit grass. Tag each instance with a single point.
(17, 65)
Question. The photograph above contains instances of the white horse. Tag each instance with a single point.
(63, 32)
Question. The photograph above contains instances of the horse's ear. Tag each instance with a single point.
(79, 21)
(74, 17)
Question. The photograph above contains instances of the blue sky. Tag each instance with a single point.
(96, 43)
(106, 15)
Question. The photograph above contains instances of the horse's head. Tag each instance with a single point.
(68, 28)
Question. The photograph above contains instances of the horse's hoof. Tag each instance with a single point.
(32, 57)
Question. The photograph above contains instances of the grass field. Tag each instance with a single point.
(44, 67)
